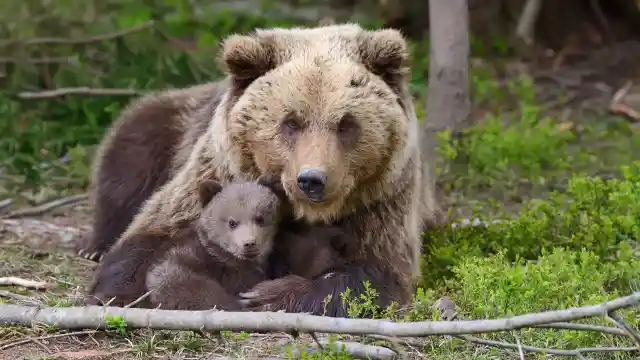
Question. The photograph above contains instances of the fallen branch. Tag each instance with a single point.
(40, 231)
(446, 307)
(46, 207)
(15, 281)
(48, 337)
(80, 41)
(86, 91)
(527, 21)
(212, 321)
(21, 298)
(617, 107)
(37, 61)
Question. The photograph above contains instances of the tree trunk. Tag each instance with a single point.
(448, 104)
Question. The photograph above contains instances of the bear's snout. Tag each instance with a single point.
(312, 182)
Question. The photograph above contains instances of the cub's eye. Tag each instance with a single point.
(259, 220)
(347, 124)
(232, 224)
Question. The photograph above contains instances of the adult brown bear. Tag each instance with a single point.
(326, 108)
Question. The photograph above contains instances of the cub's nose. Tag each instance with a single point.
(312, 182)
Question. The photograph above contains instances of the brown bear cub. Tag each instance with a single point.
(230, 245)
(226, 252)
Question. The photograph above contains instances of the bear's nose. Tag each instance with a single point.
(312, 182)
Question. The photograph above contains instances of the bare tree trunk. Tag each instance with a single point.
(448, 103)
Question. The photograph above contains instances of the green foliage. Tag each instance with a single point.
(497, 153)
(496, 287)
(593, 214)
(116, 325)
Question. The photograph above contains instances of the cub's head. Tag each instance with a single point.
(317, 250)
(323, 107)
(241, 217)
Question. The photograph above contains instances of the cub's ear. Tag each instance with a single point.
(274, 183)
(384, 53)
(207, 190)
(340, 240)
(247, 58)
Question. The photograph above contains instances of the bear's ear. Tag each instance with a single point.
(247, 58)
(274, 184)
(207, 190)
(384, 53)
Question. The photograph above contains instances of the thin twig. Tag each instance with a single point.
(584, 327)
(38, 61)
(5, 203)
(138, 300)
(575, 352)
(16, 281)
(211, 320)
(527, 21)
(18, 297)
(86, 91)
(618, 321)
(20, 342)
(46, 207)
(79, 41)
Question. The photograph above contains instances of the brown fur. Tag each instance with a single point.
(137, 156)
(211, 266)
(334, 99)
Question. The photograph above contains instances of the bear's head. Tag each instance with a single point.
(324, 107)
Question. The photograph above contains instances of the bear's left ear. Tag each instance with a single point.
(384, 53)
(248, 57)
(207, 190)
(274, 184)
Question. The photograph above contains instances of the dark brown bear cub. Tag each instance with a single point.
(226, 252)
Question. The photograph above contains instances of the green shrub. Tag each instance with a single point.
(495, 287)
(592, 214)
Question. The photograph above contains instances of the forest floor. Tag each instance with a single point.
(41, 247)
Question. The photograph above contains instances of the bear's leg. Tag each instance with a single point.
(135, 159)
(298, 295)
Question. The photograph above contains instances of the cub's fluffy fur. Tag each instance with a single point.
(329, 101)
(224, 252)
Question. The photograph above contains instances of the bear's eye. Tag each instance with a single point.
(259, 220)
(347, 124)
(290, 125)
(232, 224)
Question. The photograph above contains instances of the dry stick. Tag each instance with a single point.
(94, 317)
(18, 297)
(5, 203)
(575, 352)
(87, 91)
(618, 321)
(20, 342)
(584, 327)
(444, 305)
(527, 21)
(46, 207)
(37, 61)
(11, 280)
(138, 300)
(87, 40)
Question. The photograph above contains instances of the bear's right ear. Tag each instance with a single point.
(274, 184)
(207, 190)
(384, 52)
(247, 58)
